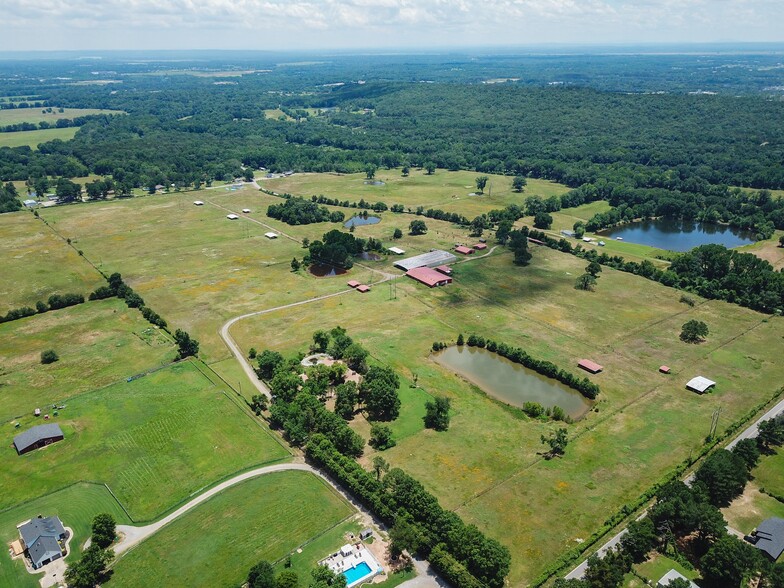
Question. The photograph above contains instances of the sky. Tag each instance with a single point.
(378, 24)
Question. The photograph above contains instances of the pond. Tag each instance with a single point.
(679, 235)
(359, 220)
(370, 256)
(510, 382)
(325, 270)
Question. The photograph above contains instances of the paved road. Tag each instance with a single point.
(749, 433)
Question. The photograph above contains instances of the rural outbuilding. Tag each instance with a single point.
(700, 384)
(432, 258)
(352, 283)
(37, 437)
(429, 277)
(363, 288)
(365, 533)
(480, 246)
(41, 538)
(444, 269)
(463, 250)
(198, 203)
(246, 210)
(271, 235)
(672, 575)
(590, 366)
(396, 250)
(769, 537)
(664, 369)
(232, 216)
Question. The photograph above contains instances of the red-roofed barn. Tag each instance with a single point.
(590, 366)
(429, 277)
(464, 250)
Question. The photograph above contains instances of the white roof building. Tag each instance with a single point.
(198, 203)
(430, 259)
(396, 250)
(700, 384)
(271, 235)
(246, 210)
(232, 216)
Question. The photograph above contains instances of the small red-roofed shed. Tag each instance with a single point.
(480, 246)
(462, 249)
(363, 288)
(590, 366)
(429, 277)
(444, 269)
(664, 369)
(352, 283)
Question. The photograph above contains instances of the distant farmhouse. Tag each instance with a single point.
(37, 437)
(41, 538)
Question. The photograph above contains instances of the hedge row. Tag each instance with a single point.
(461, 552)
(583, 385)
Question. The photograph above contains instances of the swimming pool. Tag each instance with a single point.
(357, 573)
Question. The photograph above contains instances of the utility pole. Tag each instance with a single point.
(714, 423)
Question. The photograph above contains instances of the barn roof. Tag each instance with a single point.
(589, 365)
(464, 250)
(429, 259)
(428, 276)
(700, 384)
(32, 436)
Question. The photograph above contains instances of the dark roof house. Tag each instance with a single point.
(769, 537)
(37, 437)
(41, 537)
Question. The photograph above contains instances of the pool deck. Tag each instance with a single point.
(350, 556)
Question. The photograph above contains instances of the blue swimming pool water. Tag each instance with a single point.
(357, 573)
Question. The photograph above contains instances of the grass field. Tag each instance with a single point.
(768, 250)
(155, 441)
(36, 115)
(99, 343)
(264, 518)
(769, 474)
(751, 508)
(33, 138)
(276, 114)
(487, 465)
(76, 506)
(38, 263)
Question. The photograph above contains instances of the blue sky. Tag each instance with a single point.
(339, 24)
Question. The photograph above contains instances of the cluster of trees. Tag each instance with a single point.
(263, 575)
(374, 206)
(336, 248)
(537, 411)
(583, 385)
(298, 211)
(438, 214)
(437, 413)
(712, 271)
(60, 123)
(460, 552)
(91, 568)
(54, 302)
(118, 287)
(9, 198)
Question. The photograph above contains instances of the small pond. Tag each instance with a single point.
(370, 256)
(510, 382)
(325, 270)
(359, 220)
(679, 235)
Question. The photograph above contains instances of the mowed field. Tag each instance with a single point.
(38, 263)
(155, 441)
(76, 505)
(15, 116)
(218, 542)
(99, 343)
(34, 138)
(487, 466)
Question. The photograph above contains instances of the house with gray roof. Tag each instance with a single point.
(41, 538)
(769, 537)
(37, 437)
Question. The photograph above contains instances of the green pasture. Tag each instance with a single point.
(15, 116)
(33, 138)
(751, 508)
(156, 441)
(276, 114)
(38, 263)
(219, 541)
(76, 505)
(99, 343)
(769, 474)
(487, 465)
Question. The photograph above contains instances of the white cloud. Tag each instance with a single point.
(64, 24)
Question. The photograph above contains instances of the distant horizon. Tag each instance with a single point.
(339, 25)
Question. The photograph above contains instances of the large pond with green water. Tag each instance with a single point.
(510, 382)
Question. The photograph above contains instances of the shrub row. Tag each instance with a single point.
(583, 385)
(132, 299)
(465, 555)
(55, 302)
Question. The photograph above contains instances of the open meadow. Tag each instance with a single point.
(99, 343)
(487, 466)
(34, 138)
(267, 517)
(155, 441)
(13, 116)
(38, 263)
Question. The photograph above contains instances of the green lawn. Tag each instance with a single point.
(218, 542)
(38, 263)
(769, 474)
(76, 506)
(155, 441)
(98, 342)
(658, 565)
(33, 138)
(751, 508)
(35, 115)
(487, 465)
